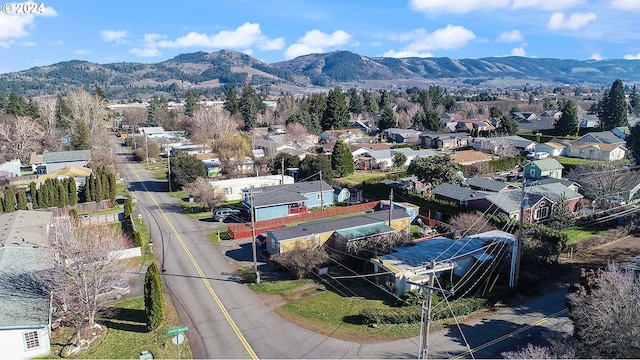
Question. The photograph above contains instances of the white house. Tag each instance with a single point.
(596, 151)
(552, 148)
(10, 168)
(232, 188)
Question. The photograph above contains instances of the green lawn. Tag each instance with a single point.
(575, 161)
(578, 234)
(127, 335)
(361, 175)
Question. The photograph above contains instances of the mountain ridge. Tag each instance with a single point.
(215, 71)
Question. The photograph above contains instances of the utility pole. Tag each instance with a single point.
(519, 241)
(390, 206)
(321, 194)
(133, 135)
(169, 162)
(253, 238)
(282, 167)
(425, 320)
(146, 147)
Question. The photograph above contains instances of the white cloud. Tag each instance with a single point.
(631, 5)
(632, 57)
(519, 51)
(245, 36)
(511, 36)
(406, 54)
(81, 52)
(422, 41)
(456, 7)
(596, 56)
(548, 5)
(116, 36)
(315, 41)
(145, 52)
(575, 21)
(149, 48)
(26, 44)
(16, 26)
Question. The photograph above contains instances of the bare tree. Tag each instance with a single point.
(204, 193)
(297, 132)
(92, 111)
(232, 149)
(20, 135)
(602, 181)
(605, 313)
(376, 244)
(211, 124)
(302, 260)
(48, 113)
(470, 223)
(87, 266)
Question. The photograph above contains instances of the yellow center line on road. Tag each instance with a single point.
(511, 334)
(226, 314)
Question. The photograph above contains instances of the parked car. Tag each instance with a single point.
(617, 201)
(223, 213)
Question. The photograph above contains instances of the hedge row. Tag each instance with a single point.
(413, 314)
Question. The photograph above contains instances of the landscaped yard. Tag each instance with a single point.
(577, 234)
(127, 335)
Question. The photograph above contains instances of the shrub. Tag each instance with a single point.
(137, 238)
(153, 297)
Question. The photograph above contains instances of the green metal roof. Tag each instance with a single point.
(364, 231)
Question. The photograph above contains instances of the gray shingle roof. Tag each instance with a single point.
(457, 192)
(509, 201)
(287, 193)
(487, 184)
(553, 191)
(66, 156)
(20, 306)
(605, 137)
(329, 225)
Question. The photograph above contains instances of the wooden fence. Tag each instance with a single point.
(243, 231)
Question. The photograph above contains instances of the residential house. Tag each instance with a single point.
(468, 125)
(544, 167)
(383, 159)
(537, 208)
(531, 122)
(494, 144)
(412, 183)
(77, 173)
(232, 188)
(595, 151)
(572, 185)
(445, 141)
(277, 201)
(550, 115)
(25, 312)
(622, 132)
(554, 191)
(468, 157)
(407, 268)
(588, 121)
(412, 210)
(483, 184)
(52, 161)
(151, 131)
(457, 194)
(603, 137)
(10, 169)
(553, 148)
(358, 149)
(406, 136)
(340, 194)
(630, 191)
(348, 135)
(336, 232)
(524, 116)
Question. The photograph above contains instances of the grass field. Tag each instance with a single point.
(127, 335)
(577, 234)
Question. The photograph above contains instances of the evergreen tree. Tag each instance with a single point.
(633, 142)
(399, 159)
(433, 121)
(614, 107)
(1, 206)
(385, 99)
(128, 207)
(370, 102)
(33, 192)
(387, 119)
(16, 105)
(312, 165)
(62, 113)
(88, 191)
(191, 103)
(231, 102)
(113, 188)
(63, 194)
(508, 125)
(153, 297)
(568, 122)
(80, 136)
(310, 121)
(21, 200)
(73, 191)
(55, 195)
(419, 120)
(33, 110)
(634, 101)
(342, 159)
(250, 105)
(356, 104)
(97, 91)
(185, 169)
(9, 200)
(336, 114)
(97, 186)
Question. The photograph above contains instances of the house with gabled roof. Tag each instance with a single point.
(54, 160)
(336, 232)
(445, 141)
(483, 184)
(537, 208)
(595, 151)
(603, 137)
(457, 194)
(277, 201)
(408, 266)
(554, 191)
(407, 136)
(467, 157)
(553, 148)
(544, 167)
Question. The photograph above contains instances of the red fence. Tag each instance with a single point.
(241, 231)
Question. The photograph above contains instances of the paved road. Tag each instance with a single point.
(227, 320)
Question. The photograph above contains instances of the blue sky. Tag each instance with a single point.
(276, 30)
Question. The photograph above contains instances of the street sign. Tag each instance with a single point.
(178, 339)
(178, 330)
